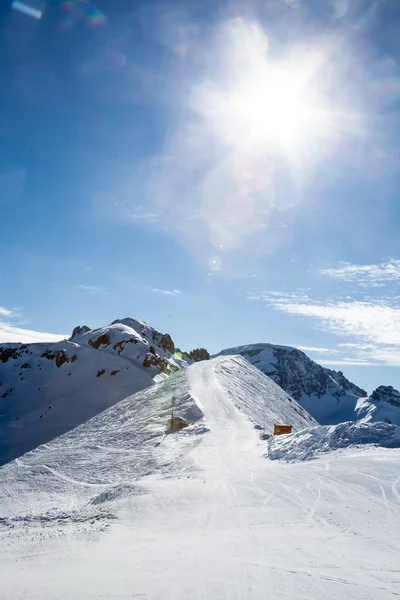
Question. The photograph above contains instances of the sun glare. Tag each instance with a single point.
(272, 106)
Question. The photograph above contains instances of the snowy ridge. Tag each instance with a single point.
(259, 397)
(135, 426)
(321, 439)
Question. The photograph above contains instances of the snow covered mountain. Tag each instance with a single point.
(117, 509)
(324, 393)
(382, 405)
(128, 435)
(47, 389)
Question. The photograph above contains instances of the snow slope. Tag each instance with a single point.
(382, 405)
(326, 394)
(306, 444)
(42, 400)
(47, 389)
(115, 510)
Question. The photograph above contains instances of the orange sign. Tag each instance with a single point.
(281, 429)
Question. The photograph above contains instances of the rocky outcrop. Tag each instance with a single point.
(13, 353)
(78, 331)
(102, 340)
(135, 341)
(386, 393)
(199, 354)
(164, 340)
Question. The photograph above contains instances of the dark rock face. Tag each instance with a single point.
(296, 373)
(102, 340)
(6, 352)
(164, 340)
(386, 393)
(78, 331)
(199, 354)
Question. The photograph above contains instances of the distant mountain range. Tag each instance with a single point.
(48, 389)
(326, 394)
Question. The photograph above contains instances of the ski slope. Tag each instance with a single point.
(114, 509)
(43, 401)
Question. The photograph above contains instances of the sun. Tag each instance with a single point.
(272, 105)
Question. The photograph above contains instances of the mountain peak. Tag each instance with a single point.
(325, 393)
(386, 393)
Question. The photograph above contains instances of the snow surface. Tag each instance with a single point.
(311, 442)
(44, 401)
(41, 397)
(115, 509)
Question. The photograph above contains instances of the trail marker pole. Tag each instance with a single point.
(172, 411)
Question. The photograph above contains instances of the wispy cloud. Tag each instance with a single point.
(350, 362)
(156, 290)
(92, 289)
(373, 324)
(166, 292)
(10, 332)
(314, 349)
(5, 312)
(375, 275)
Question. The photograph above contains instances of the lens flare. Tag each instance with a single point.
(31, 9)
(82, 11)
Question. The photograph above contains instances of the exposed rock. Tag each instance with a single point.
(100, 373)
(153, 360)
(164, 340)
(386, 393)
(115, 372)
(102, 340)
(199, 354)
(14, 353)
(295, 372)
(78, 331)
(60, 356)
(119, 346)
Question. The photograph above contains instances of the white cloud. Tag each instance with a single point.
(373, 325)
(11, 334)
(375, 275)
(313, 349)
(354, 363)
(166, 292)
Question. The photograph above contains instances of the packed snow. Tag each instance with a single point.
(320, 439)
(117, 509)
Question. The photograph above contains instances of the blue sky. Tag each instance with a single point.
(228, 172)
